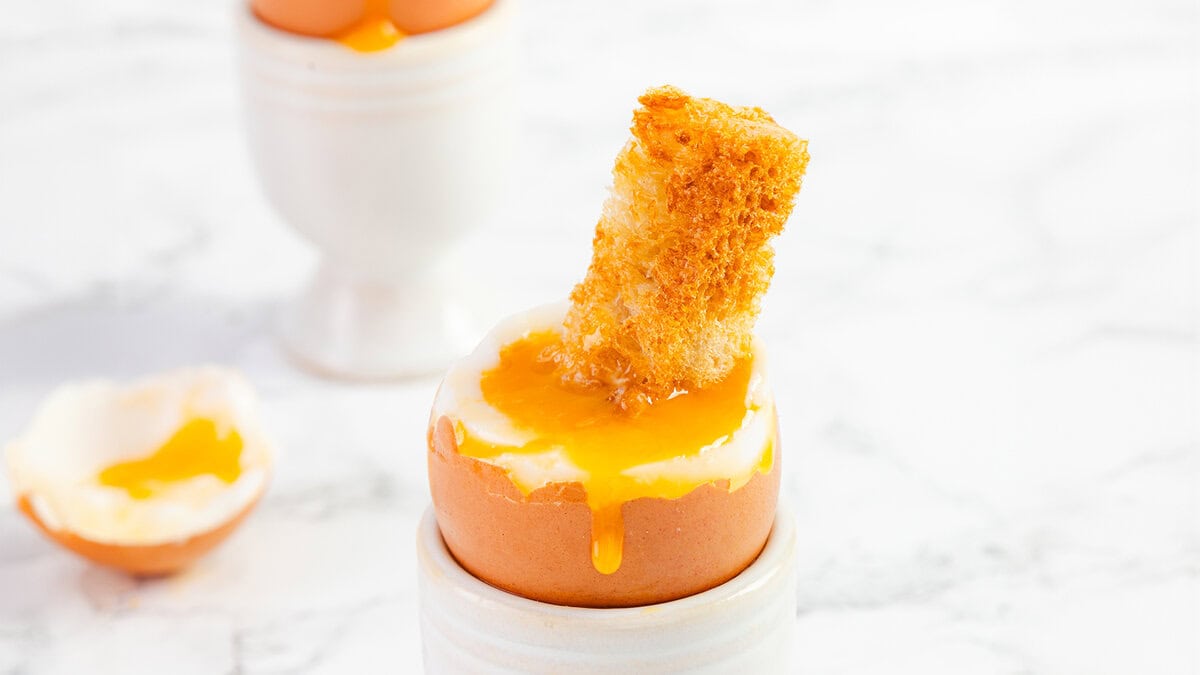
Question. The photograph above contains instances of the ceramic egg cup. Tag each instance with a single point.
(742, 626)
(383, 161)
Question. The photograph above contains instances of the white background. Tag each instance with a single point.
(983, 325)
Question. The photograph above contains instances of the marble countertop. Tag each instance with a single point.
(983, 324)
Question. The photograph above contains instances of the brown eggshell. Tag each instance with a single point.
(141, 560)
(327, 18)
(316, 18)
(539, 546)
(423, 16)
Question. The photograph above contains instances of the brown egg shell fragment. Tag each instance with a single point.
(314, 18)
(539, 546)
(137, 559)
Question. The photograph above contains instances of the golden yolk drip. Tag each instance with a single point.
(374, 31)
(608, 538)
(604, 442)
(194, 450)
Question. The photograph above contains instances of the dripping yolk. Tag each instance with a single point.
(196, 449)
(604, 442)
(374, 32)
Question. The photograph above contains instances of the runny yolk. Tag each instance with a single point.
(374, 32)
(604, 442)
(194, 450)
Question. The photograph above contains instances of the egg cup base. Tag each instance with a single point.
(359, 328)
(743, 625)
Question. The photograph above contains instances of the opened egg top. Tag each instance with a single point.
(580, 503)
(622, 449)
(365, 25)
(145, 477)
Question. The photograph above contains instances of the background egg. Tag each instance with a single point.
(318, 18)
(328, 18)
(423, 16)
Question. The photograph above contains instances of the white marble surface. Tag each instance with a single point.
(983, 324)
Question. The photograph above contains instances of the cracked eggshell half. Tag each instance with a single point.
(83, 428)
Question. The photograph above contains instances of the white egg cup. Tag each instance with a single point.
(742, 626)
(382, 160)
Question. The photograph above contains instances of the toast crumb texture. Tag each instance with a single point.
(682, 254)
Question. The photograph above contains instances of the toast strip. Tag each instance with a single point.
(681, 255)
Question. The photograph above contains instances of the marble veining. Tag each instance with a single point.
(983, 326)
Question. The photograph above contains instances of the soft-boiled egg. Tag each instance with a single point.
(622, 449)
(549, 492)
(145, 477)
(365, 25)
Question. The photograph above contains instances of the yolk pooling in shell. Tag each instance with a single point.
(374, 31)
(194, 450)
(604, 442)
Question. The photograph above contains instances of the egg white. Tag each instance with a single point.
(84, 427)
(734, 458)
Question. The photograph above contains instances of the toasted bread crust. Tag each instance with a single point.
(681, 255)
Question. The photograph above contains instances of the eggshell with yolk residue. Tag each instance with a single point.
(539, 545)
(143, 476)
(141, 559)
